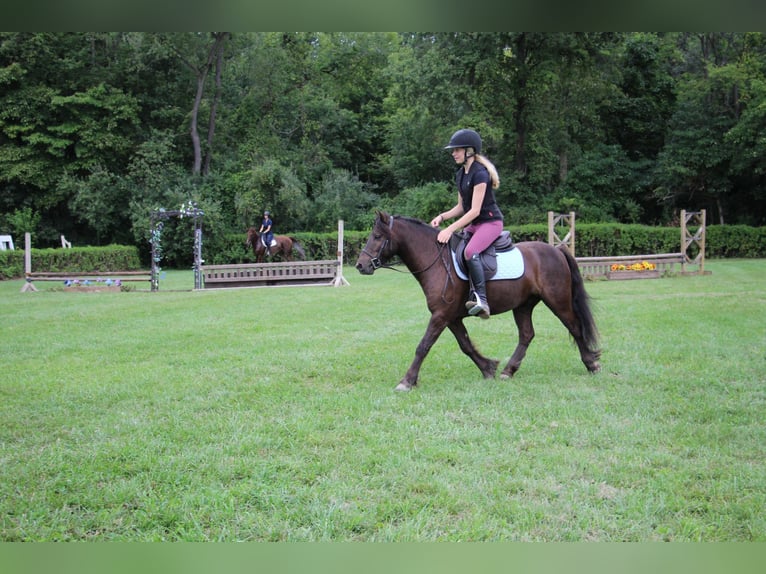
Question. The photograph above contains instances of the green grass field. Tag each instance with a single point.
(269, 415)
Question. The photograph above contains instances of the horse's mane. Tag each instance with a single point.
(415, 221)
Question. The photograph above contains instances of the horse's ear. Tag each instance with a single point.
(383, 216)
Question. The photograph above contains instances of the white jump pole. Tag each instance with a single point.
(340, 280)
(28, 285)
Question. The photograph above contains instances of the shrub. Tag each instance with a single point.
(76, 259)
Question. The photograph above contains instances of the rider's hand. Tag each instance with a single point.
(437, 221)
(444, 236)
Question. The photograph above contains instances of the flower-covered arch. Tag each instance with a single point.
(158, 218)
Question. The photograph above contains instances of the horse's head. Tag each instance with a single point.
(378, 249)
(252, 237)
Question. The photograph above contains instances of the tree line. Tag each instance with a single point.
(99, 129)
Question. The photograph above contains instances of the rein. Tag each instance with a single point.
(377, 264)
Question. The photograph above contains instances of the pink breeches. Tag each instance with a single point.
(483, 236)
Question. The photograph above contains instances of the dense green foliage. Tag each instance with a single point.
(98, 129)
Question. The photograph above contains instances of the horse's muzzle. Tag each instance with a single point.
(367, 269)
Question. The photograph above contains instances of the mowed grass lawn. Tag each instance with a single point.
(269, 415)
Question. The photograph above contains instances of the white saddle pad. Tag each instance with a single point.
(510, 265)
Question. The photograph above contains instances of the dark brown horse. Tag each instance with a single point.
(284, 246)
(551, 275)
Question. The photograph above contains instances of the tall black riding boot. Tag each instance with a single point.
(477, 304)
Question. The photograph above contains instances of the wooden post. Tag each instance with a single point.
(551, 232)
(340, 280)
(688, 239)
(569, 238)
(701, 233)
(572, 232)
(684, 245)
(28, 285)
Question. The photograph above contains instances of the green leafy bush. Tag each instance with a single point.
(76, 259)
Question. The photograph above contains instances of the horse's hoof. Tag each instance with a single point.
(491, 371)
(403, 387)
(508, 373)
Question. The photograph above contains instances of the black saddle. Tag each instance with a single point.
(488, 257)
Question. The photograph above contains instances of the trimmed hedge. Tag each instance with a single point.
(74, 260)
(611, 239)
(591, 240)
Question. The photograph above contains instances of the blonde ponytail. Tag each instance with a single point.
(490, 168)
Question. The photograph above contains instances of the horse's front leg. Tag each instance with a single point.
(523, 317)
(488, 367)
(435, 327)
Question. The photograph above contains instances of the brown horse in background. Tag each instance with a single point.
(551, 275)
(284, 246)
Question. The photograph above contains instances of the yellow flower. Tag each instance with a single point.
(638, 266)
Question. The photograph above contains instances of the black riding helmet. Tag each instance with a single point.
(465, 138)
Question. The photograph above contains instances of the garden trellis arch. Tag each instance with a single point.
(158, 222)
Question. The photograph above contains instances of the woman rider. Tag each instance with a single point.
(476, 210)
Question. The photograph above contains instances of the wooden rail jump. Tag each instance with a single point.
(90, 281)
(87, 280)
(91, 276)
(602, 266)
(279, 274)
(301, 273)
(663, 263)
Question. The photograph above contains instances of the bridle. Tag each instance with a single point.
(375, 260)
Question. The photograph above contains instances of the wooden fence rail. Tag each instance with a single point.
(271, 274)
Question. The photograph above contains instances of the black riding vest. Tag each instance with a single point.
(477, 174)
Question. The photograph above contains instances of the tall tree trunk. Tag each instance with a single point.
(521, 105)
(220, 39)
(214, 52)
(193, 127)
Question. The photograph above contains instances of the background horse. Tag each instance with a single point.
(284, 246)
(551, 275)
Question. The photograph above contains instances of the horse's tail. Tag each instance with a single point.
(299, 248)
(581, 303)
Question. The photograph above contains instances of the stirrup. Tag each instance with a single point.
(478, 307)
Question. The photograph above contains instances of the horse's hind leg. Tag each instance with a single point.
(570, 320)
(523, 317)
(488, 367)
(588, 356)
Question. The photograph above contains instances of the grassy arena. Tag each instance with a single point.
(269, 414)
